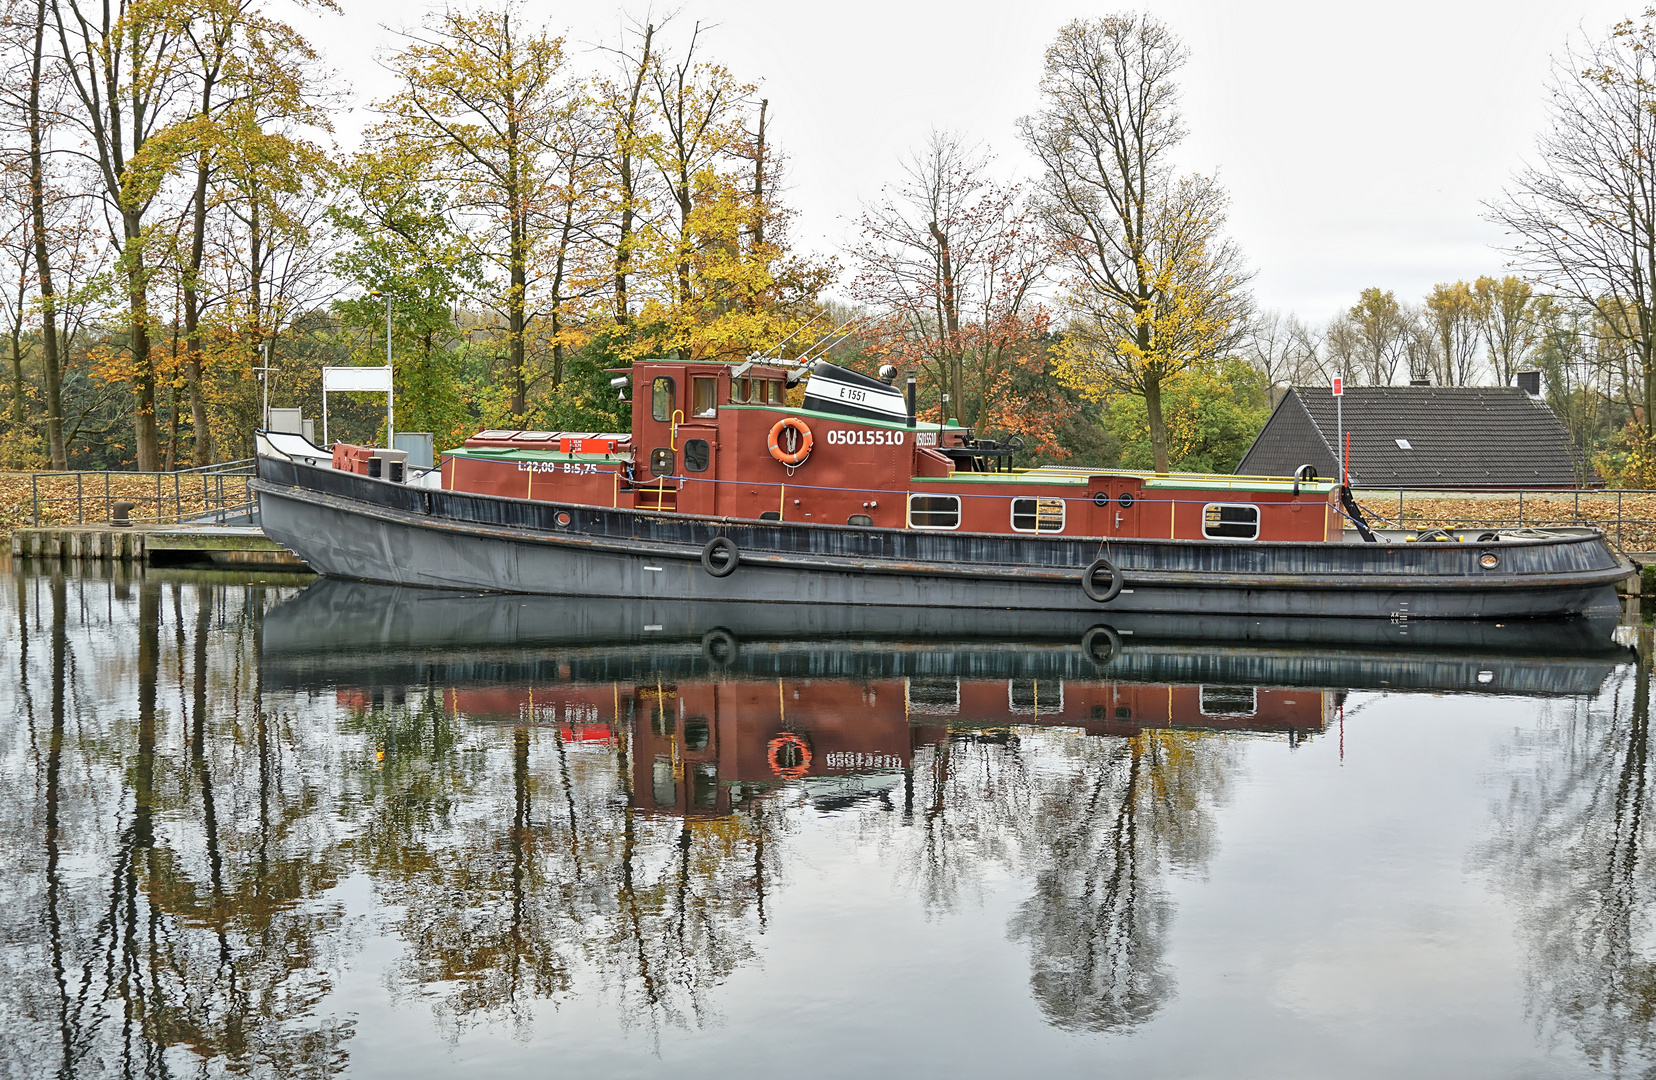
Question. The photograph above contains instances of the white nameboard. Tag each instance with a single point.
(376, 379)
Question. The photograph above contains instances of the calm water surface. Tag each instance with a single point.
(258, 828)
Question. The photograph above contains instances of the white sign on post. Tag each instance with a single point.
(373, 380)
(376, 379)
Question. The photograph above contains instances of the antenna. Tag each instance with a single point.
(827, 341)
(753, 358)
(790, 337)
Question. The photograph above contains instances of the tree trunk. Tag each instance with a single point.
(172, 400)
(146, 436)
(52, 364)
(515, 321)
(686, 204)
(172, 440)
(951, 327)
(1158, 426)
(758, 230)
(624, 165)
(192, 319)
(18, 416)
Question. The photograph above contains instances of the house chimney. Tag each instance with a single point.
(1530, 382)
(1420, 382)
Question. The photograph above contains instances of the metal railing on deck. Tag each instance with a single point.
(206, 494)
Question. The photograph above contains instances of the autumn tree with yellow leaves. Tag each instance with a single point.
(1152, 285)
(483, 94)
(712, 258)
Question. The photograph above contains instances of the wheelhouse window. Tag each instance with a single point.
(1037, 515)
(661, 398)
(1230, 521)
(702, 390)
(773, 388)
(934, 511)
(696, 455)
(739, 391)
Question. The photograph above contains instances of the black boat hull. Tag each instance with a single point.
(349, 526)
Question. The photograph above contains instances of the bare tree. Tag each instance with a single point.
(948, 260)
(1584, 213)
(1153, 284)
(1282, 348)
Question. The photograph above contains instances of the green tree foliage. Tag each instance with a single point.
(406, 251)
(1213, 413)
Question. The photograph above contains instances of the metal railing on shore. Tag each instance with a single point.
(207, 494)
(1627, 515)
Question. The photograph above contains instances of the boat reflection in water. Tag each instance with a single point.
(936, 718)
(522, 801)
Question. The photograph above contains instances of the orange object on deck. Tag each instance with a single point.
(349, 458)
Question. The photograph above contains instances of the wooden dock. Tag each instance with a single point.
(156, 545)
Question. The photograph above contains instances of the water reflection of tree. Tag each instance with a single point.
(1096, 823)
(534, 877)
(1105, 828)
(515, 867)
(166, 937)
(1573, 848)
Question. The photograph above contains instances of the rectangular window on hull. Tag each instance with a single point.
(934, 511)
(661, 399)
(702, 389)
(1229, 701)
(1230, 521)
(1037, 515)
(933, 695)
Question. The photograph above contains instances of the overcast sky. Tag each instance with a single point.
(1357, 141)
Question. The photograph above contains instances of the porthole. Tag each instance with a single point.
(1489, 560)
(1125, 499)
(562, 518)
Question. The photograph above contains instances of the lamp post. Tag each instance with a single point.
(390, 427)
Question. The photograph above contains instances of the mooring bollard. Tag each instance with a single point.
(118, 513)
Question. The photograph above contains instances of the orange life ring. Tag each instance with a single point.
(791, 423)
(802, 751)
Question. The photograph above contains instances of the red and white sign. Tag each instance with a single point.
(1339, 386)
(587, 445)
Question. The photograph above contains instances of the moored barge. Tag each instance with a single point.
(724, 491)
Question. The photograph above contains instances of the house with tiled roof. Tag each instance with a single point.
(1418, 437)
